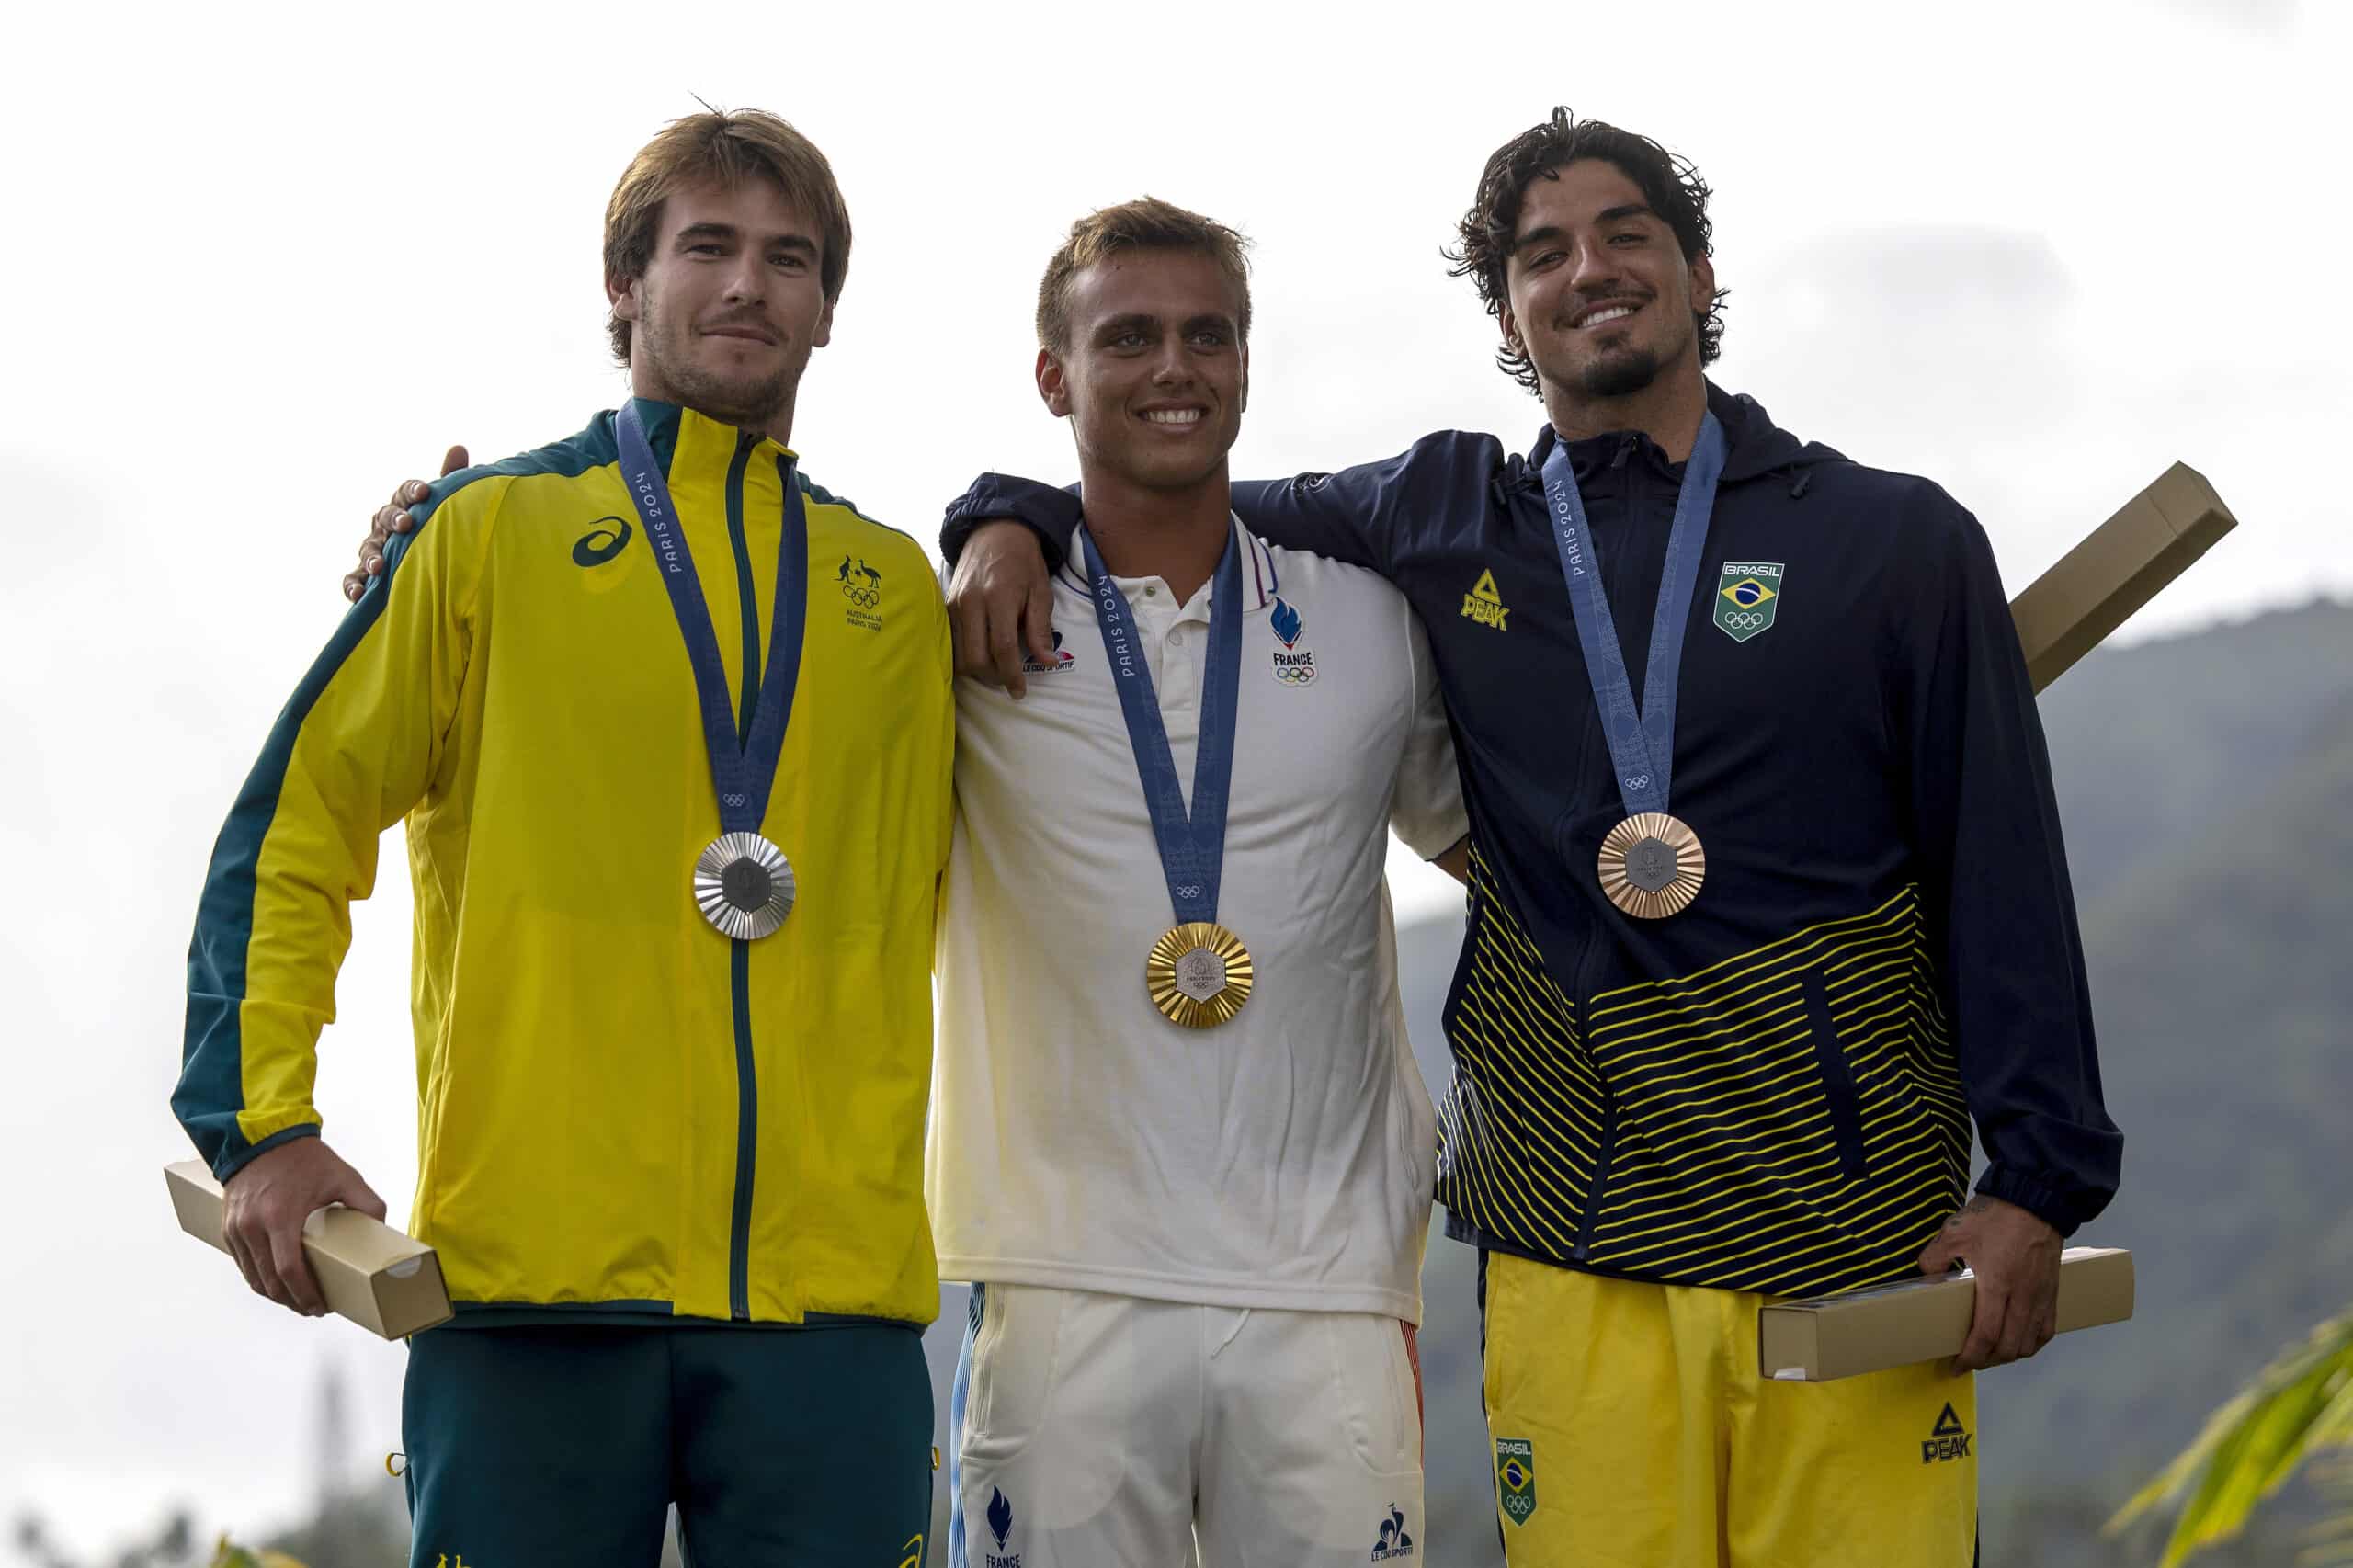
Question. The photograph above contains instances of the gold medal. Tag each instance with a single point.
(1199, 974)
(1651, 866)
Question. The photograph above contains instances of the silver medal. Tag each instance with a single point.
(744, 886)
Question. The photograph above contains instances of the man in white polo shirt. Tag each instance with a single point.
(1193, 1204)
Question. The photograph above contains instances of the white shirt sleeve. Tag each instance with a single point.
(1427, 809)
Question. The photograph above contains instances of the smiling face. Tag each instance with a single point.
(729, 306)
(1157, 374)
(1601, 297)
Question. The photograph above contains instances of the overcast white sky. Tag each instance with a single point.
(267, 264)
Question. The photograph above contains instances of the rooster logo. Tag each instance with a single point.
(1393, 1541)
(1060, 660)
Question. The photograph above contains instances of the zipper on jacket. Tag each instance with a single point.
(739, 958)
(747, 1128)
(746, 596)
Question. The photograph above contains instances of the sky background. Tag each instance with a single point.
(268, 262)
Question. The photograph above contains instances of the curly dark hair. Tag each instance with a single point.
(1670, 184)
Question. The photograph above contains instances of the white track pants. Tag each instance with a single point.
(1095, 1431)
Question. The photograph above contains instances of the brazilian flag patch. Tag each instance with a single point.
(1516, 1478)
(1748, 594)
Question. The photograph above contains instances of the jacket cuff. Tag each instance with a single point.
(986, 502)
(230, 1162)
(2051, 1205)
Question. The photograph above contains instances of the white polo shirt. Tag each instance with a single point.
(1078, 1137)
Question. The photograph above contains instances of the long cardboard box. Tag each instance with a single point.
(1816, 1340)
(388, 1283)
(2119, 567)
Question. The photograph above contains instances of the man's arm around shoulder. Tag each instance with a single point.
(1006, 536)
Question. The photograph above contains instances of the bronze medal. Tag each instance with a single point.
(1651, 866)
(1198, 974)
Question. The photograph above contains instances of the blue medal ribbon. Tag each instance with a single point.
(1642, 738)
(1192, 845)
(742, 772)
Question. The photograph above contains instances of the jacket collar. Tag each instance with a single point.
(1758, 446)
(1259, 580)
(669, 425)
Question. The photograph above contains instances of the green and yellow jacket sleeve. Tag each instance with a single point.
(355, 747)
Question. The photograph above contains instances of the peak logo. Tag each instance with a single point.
(606, 537)
(1948, 1440)
(1000, 1517)
(1484, 604)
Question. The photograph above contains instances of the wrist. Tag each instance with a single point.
(2040, 1199)
(230, 1163)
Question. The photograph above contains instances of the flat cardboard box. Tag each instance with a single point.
(1922, 1320)
(2121, 566)
(388, 1283)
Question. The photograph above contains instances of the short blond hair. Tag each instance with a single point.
(1149, 223)
(728, 147)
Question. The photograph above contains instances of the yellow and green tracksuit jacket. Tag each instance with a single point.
(622, 1110)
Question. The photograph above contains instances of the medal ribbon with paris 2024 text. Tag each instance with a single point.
(1192, 845)
(1641, 736)
(742, 772)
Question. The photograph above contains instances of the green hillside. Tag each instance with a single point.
(2150, 742)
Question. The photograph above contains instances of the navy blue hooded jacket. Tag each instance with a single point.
(1773, 1090)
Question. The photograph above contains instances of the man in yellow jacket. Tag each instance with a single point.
(671, 728)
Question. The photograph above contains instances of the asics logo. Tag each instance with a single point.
(601, 542)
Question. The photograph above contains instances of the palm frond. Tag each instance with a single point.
(2297, 1406)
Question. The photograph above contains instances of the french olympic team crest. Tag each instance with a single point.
(1294, 665)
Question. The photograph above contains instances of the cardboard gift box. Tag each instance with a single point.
(1824, 1337)
(388, 1283)
(2119, 567)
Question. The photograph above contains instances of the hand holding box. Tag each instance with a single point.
(386, 1282)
